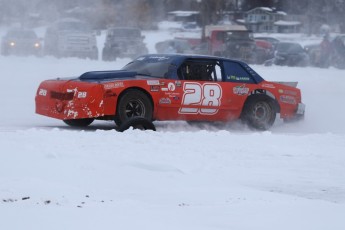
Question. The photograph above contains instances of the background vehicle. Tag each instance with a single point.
(70, 38)
(21, 42)
(171, 87)
(174, 46)
(314, 53)
(239, 45)
(330, 52)
(231, 41)
(273, 41)
(337, 56)
(123, 42)
(290, 54)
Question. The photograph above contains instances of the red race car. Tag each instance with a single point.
(171, 87)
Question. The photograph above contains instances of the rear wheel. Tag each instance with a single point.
(134, 103)
(79, 122)
(259, 112)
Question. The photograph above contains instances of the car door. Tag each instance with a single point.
(197, 93)
(237, 84)
(207, 90)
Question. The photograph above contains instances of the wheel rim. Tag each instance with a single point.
(262, 112)
(135, 108)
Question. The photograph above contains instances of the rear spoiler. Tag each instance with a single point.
(288, 83)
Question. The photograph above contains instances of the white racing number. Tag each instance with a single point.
(205, 95)
(42, 92)
(82, 94)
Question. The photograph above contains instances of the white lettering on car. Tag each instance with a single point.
(82, 94)
(42, 92)
(205, 95)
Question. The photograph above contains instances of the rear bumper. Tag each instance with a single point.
(67, 100)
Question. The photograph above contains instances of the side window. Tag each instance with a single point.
(234, 72)
(200, 70)
(218, 73)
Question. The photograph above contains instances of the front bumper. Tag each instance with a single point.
(299, 114)
(300, 109)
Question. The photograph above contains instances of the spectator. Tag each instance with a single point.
(326, 50)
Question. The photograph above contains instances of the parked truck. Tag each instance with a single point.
(231, 41)
(123, 42)
(70, 38)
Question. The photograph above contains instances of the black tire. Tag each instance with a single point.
(137, 123)
(259, 112)
(79, 122)
(133, 103)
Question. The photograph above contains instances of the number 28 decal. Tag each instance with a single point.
(201, 95)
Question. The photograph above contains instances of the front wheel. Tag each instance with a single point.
(79, 122)
(134, 103)
(259, 112)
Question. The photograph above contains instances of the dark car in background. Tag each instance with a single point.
(123, 42)
(337, 52)
(289, 54)
(21, 42)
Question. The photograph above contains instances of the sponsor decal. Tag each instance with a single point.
(42, 92)
(236, 78)
(112, 85)
(159, 58)
(171, 86)
(153, 82)
(288, 99)
(288, 92)
(82, 94)
(172, 94)
(154, 88)
(164, 101)
(271, 86)
(71, 90)
(178, 83)
(240, 90)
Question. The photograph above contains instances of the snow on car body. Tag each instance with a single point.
(170, 87)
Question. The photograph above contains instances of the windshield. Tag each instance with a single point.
(124, 33)
(238, 35)
(27, 34)
(289, 48)
(155, 66)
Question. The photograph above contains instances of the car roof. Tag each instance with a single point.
(192, 56)
(178, 59)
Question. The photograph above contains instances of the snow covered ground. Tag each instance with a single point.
(180, 177)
